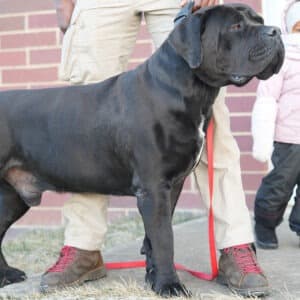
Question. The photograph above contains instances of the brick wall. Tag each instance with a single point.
(29, 57)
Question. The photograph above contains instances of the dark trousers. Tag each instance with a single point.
(277, 187)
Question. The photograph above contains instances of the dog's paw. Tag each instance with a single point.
(167, 289)
(175, 289)
(150, 277)
(9, 275)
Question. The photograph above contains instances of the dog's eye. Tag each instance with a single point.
(236, 27)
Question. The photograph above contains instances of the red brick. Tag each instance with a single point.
(17, 6)
(251, 182)
(133, 65)
(240, 104)
(14, 87)
(240, 123)
(187, 200)
(250, 87)
(12, 23)
(248, 163)
(12, 58)
(190, 201)
(44, 56)
(60, 37)
(52, 199)
(42, 21)
(250, 199)
(41, 217)
(143, 33)
(29, 75)
(142, 50)
(122, 202)
(255, 4)
(244, 142)
(188, 184)
(28, 40)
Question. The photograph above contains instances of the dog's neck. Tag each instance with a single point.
(176, 75)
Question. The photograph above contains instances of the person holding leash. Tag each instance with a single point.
(99, 38)
(276, 124)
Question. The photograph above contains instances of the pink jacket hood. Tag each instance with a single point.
(291, 41)
(287, 6)
(283, 90)
(292, 46)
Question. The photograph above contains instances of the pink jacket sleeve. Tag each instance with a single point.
(270, 88)
(264, 116)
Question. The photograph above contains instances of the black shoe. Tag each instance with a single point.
(265, 237)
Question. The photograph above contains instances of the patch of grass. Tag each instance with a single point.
(119, 290)
(130, 228)
(36, 250)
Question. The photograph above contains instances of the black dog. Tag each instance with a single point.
(135, 133)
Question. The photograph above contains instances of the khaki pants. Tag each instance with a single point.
(98, 45)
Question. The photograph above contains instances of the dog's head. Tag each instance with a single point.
(228, 44)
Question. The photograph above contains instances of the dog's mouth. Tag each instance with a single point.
(239, 79)
(258, 53)
(274, 67)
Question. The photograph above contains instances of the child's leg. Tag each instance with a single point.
(274, 193)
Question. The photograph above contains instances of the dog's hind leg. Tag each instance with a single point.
(12, 207)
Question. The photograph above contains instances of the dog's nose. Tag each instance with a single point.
(272, 31)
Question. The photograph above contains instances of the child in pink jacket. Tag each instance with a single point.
(276, 123)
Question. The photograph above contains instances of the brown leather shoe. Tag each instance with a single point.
(74, 267)
(239, 270)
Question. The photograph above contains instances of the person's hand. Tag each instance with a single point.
(200, 3)
(64, 10)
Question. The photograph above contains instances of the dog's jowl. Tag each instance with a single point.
(135, 133)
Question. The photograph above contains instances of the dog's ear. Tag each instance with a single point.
(186, 39)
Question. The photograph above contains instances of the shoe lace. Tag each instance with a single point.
(245, 258)
(66, 257)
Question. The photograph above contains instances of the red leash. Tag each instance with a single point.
(212, 246)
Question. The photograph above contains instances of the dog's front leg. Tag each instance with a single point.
(156, 209)
(146, 247)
